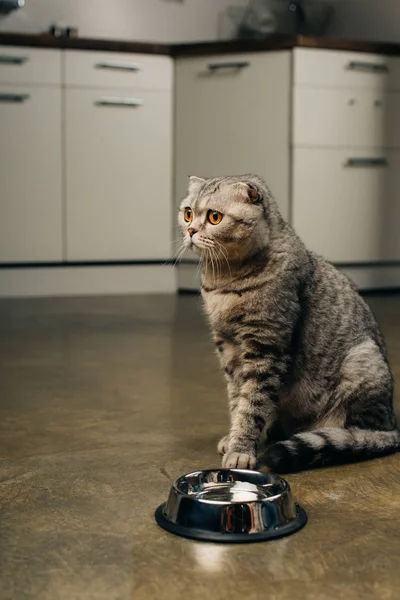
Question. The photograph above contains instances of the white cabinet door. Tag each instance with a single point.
(233, 117)
(30, 174)
(345, 117)
(346, 204)
(339, 117)
(118, 175)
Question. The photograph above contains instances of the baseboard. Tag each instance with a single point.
(145, 279)
(374, 278)
(88, 280)
(366, 278)
(188, 277)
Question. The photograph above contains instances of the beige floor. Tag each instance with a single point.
(102, 403)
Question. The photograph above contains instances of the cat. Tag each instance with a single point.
(303, 357)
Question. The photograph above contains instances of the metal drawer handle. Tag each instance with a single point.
(228, 65)
(119, 102)
(14, 98)
(120, 66)
(356, 65)
(367, 162)
(12, 60)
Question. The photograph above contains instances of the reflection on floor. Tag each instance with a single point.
(102, 403)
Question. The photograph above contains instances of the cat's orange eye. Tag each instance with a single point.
(188, 215)
(214, 217)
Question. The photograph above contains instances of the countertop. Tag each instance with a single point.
(281, 42)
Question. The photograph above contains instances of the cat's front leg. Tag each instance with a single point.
(248, 422)
(260, 387)
(233, 397)
(228, 357)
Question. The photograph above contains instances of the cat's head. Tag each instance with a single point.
(225, 216)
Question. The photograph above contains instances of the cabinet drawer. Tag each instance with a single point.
(118, 175)
(345, 203)
(27, 65)
(341, 117)
(334, 68)
(118, 70)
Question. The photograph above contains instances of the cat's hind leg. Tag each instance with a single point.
(361, 426)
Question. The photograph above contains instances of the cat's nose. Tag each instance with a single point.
(191, 231)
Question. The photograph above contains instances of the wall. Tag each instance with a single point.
(367, 19)
(188, 20)
(156, 20)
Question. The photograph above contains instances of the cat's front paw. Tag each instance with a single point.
(239, 460)
(223, 445)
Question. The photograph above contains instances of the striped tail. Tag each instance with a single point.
(329, 446)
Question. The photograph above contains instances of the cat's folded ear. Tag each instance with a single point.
(248, 192)
(195, 183)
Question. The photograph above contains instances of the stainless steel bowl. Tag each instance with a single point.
(230, 505)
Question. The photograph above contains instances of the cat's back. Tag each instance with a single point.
(337, 314)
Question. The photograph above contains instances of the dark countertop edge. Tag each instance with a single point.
(284, 43)
(49, 41)
(279, 42)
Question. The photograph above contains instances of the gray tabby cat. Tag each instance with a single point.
(303, 357)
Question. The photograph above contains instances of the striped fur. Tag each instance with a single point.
(301, 352)
(329, 446)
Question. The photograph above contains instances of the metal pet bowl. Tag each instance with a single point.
(230, 505)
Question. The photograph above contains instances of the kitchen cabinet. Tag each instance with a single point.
(118, 156)
(99, 138)
(355, 219)
(118, 175)
(233, 116)
(31, 228)
(346, 154)
(321, 126)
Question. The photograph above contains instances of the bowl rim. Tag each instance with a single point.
(285, 486)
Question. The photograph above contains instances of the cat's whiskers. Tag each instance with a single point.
(219, 263)
(212, 266)
(198, 268)
(180, 253)
(209, 247)
(217, 251)
(175, 249)
(225, 256)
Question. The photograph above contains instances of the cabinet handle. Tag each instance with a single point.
(12, 60)
(356, 65)
(367, 162)
(14, 98)
(119, 102)
(228, 65)
(117, 65)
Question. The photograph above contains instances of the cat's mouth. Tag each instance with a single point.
(199, 244)
(193, 246)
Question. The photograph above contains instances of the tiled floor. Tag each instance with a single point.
(102, 403)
